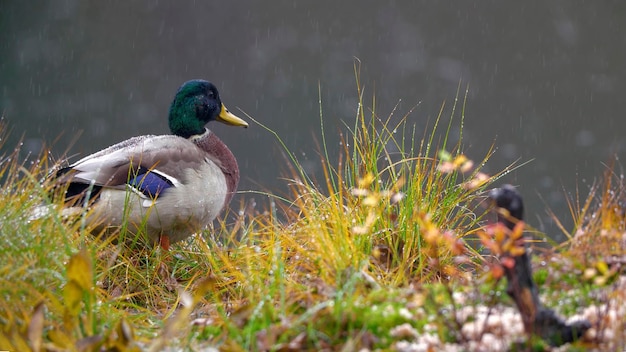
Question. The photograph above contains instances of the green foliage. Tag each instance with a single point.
(540, 276)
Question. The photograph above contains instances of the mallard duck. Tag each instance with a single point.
(171, 186)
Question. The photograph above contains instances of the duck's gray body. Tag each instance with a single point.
(202, 171)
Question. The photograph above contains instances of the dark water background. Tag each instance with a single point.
(546, 78)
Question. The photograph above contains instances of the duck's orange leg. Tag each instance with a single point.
(164, 241)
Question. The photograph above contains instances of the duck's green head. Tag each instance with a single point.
(196, 103)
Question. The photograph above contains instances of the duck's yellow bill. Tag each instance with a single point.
(229, 118)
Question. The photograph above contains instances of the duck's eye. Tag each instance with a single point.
(211, 94)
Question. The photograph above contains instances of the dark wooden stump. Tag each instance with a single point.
(538, 320)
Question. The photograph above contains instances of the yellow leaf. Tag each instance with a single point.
(518, 230)
(500, 232)
(517, 251)
(204, 286)
(79, 269)
(13, 341)
(60, 339)
(73, 294)
(603, 268)
(431, 236)
(365, 181)
(459, 160)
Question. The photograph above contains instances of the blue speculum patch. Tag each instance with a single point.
(149, 183)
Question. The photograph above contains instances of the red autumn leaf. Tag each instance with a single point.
(497, 271)
(508, 262)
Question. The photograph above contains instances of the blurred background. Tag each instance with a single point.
(546, 78)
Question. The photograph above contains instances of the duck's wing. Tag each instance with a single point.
(148, 165)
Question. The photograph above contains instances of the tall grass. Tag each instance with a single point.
(339, 246)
